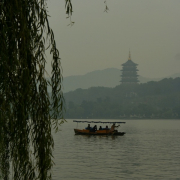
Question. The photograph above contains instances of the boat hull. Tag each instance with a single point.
(98, 132)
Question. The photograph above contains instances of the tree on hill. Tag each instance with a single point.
(148, 100)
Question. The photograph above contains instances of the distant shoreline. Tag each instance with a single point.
(125, 118)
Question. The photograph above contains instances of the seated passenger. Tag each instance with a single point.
(105, 128)
(100, 128)
(95, 128)
(88, 127)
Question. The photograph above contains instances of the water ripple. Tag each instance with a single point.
(149, 150)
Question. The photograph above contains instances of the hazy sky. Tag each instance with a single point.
(99, 40)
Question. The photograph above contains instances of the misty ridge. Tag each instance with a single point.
(109, 77)
(100, 95)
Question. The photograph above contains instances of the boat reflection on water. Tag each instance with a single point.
(93, 131)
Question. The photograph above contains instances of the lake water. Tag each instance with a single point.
(150, 149)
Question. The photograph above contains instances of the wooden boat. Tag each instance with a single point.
(104, 131)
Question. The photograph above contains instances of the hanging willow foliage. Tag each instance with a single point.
(26, 109)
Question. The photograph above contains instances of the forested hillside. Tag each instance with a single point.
(148, 100)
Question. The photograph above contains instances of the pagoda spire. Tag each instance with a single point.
(129, 55)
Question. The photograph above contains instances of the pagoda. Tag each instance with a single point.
(129, 72)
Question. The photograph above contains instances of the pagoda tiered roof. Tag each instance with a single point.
(129, 72)
(129, 63)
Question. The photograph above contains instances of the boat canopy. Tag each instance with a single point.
(104, 122)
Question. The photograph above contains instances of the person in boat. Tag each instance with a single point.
(89, 127)
(105, 128)
(113, 127)
(95, 128)
(100, 128)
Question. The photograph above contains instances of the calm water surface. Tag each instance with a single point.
(150, 149)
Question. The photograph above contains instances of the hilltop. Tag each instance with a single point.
(101, 78)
